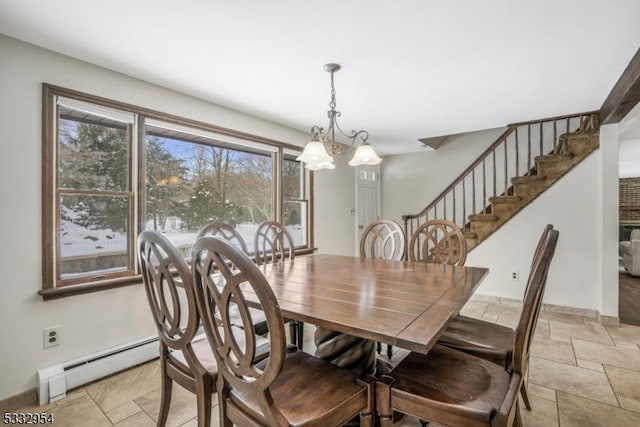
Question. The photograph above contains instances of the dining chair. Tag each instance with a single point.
(273, 243)
(383, 239)
(451, 387)
(438, 241)
(286, 389)
(226, 232)
(185, 355)
(489, 340)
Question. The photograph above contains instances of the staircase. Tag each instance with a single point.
(520, 165)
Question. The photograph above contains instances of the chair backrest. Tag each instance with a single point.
(536, 255)
(272, 242)
(383, 239)
(532, 303)
(224, 231)
(438, 241)
(220, 291)
(161, 265)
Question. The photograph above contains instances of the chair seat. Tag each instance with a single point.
(448, 381)
(487, 340)
(203, 352)
(310, 389)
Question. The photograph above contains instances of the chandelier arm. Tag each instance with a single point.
(316, 131)
(354, 134)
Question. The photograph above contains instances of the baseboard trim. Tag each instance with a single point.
(608, 320)
(26, 398)
(584, 312)
(553, 308)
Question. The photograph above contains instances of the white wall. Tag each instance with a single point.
(609, 144)
(411, 181)
(629, 163)
(101, 320)
(573, 205)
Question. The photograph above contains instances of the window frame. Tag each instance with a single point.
(52, 286)
(306, 190)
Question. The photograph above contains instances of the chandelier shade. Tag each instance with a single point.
(319, 152)
(315, 153)
(365, 155)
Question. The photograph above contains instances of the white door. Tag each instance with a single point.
(367, 199)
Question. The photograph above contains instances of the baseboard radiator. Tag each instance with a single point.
(54, 381)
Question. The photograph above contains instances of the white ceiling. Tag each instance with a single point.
(411, 69)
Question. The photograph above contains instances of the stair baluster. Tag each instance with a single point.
(556, 155)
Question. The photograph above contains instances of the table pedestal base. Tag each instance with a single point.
(346, 351)
(355, 354)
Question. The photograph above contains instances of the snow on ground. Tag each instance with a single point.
(77, 240)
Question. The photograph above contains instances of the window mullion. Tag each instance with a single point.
(277, 184)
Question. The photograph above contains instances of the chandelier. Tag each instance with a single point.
(320, 150)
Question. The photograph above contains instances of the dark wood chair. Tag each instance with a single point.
(286, 389)
(451, 387)
(383, 239)
(185, 355)
(438, 241)
(226, 232)
(488, 340)
(273, 243)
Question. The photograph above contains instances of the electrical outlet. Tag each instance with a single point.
(515, 276)
(52, 336)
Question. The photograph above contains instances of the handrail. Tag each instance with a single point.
(490, 173)
(556, 118)
(464, 173)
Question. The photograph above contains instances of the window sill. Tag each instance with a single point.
(86, 288)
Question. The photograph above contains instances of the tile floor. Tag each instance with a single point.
(581, 374)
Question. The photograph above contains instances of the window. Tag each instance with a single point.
(112, 170)
(295, 202)
(192, 178)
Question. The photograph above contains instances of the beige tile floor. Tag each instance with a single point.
(581, 374)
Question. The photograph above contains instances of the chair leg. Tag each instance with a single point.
(389, 351)
(378, 347)
(367, 414)
(517, 421)
(204, 390)
(293, 332)
(300, 334)
(366, 419)
(525, 396)
(383, 401)
(222, 407)
(165, 399)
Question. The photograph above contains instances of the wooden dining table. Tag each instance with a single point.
(402, 303)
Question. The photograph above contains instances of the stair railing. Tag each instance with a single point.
(512, 154)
